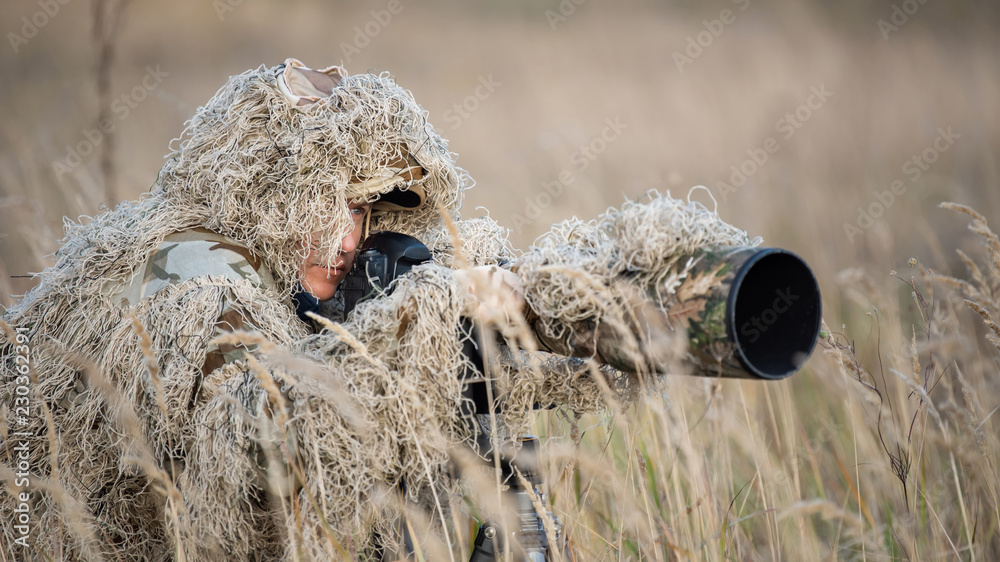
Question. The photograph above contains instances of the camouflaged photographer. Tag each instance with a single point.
(195, 415)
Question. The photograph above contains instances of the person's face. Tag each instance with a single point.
(322, 281)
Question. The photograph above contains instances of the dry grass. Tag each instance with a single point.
(884, 447)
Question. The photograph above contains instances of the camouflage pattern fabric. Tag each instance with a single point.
(189, 254)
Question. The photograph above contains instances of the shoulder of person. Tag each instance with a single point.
(191, 253)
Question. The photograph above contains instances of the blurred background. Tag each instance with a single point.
(596, 100)
(833, 129)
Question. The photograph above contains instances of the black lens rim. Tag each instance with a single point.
(734, 291)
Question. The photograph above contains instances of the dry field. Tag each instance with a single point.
(818, 128)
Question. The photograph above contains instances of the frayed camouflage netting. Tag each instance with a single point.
(298, 445)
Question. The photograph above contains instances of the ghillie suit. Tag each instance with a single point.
(178, 407)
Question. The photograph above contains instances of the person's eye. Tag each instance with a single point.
(359, 211)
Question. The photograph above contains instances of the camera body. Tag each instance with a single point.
(382, 258)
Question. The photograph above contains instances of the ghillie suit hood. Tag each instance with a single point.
(269, 167)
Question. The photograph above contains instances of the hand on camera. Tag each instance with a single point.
(495, 296)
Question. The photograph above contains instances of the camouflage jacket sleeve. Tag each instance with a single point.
(193, 253)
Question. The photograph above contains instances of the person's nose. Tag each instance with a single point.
(351, 240)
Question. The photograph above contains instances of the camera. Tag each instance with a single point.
(382, 258)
